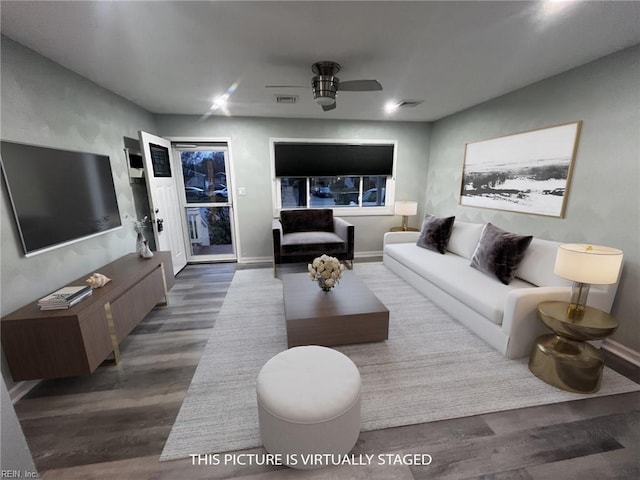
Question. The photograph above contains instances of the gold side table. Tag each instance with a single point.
(564, 359)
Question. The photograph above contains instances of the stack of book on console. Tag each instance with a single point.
(66, 297)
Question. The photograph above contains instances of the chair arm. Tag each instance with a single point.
(276, 230)
(346, 231)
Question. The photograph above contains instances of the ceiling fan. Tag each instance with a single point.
(325, 84)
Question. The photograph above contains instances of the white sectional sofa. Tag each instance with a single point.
(505, 316)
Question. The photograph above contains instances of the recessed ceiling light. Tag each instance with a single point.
(554, 7)
(220, 102)
(391, 106)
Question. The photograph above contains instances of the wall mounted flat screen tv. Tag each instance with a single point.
(58, 196)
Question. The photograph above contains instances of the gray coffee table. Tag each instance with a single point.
(349, 313)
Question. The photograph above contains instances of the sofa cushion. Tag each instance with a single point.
(435, 233)
(464, 238)
(499, 252)
(454, 275)
(308, 220)
(537, 265)
(313, 243)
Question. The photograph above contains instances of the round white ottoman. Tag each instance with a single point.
(308, 404)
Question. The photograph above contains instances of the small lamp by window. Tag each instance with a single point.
(584, 265)
(406, 209)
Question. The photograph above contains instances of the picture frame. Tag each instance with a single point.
(526, 172)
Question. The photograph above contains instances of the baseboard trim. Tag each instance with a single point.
(255, 260)
(621, 351)
(377, 253)
(20, 389)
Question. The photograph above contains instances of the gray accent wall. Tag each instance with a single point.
(46, 104)
(250, 156)
(603, 203)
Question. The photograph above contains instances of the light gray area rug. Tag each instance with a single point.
(431, 368)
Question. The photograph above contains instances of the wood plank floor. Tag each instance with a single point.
(113, 424)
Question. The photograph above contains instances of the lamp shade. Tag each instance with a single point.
(405, 208)
(593, 264)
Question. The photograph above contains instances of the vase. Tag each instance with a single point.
(324, 286)
(142, 247)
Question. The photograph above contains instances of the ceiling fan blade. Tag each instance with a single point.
(360, 86)
(287, 86)
(326, 108)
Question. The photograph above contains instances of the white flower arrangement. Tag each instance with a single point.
(139, 226)
(327, 271)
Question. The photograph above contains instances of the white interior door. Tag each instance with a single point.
(163, 197)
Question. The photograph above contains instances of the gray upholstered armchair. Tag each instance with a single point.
(302, 235)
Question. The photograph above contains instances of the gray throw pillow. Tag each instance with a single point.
(435, 233)
(499, 253)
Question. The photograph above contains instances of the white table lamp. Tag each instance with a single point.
(584, 265)
(406, 209)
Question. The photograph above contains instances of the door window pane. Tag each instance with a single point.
(209, 230)
(205, 177)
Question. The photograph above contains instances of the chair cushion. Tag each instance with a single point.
(308, 220)
(315, 243)
(435, 233)
(499, 253)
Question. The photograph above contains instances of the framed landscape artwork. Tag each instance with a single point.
(526, 172)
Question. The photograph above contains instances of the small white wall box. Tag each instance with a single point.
(135, 164)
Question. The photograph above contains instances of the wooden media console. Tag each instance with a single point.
(62, 343)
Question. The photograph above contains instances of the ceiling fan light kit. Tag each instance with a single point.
(324, 89)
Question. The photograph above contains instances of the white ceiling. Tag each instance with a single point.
(176, 57)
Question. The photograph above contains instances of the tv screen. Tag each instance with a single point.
(58, 196)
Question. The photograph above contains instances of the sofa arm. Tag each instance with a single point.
(401, 237)
(521, 323)
(276, 231)
(346, 231)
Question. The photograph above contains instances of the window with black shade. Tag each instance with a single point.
(333, 175)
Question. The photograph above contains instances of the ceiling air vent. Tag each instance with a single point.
(287, 99)
(409, 103)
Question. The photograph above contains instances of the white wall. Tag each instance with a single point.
(250, 154)
(603, 203)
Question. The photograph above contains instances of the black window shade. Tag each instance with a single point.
(329, 159)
